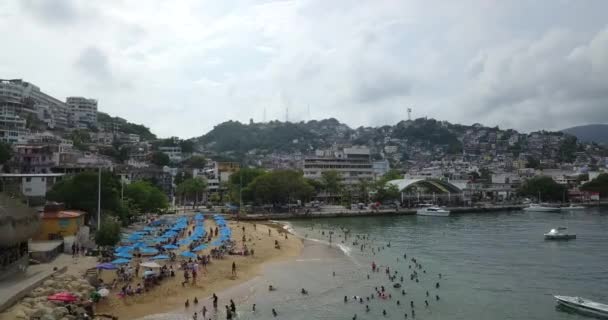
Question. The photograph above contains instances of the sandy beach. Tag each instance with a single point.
(170, 294)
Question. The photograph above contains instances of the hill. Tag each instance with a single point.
(597, 133)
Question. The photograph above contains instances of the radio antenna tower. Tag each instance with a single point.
(286, 114)
(409, 114)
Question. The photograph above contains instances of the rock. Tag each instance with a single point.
(48, 317)
(49, 283)
(28, 301)
(20, 314)
(69, 317)
(59, 312)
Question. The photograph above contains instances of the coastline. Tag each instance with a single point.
(170, 296)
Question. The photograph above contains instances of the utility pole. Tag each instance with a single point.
(99, 199)
(409, 114)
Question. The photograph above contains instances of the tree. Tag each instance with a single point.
(160, 159)
(214, 198)
(392, 174)
(108, 234)
(182, 176)
(80, 192)
(187, 146)
(332, 182)
(543, 186)
(386, 192)
(280, 187)
(198, 162)
(599, 184)
(243, 178)
(533, 163)
(6, 152)
(362, 190)
(146, 197)
(192, 188)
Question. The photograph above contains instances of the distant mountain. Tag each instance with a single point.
(590, 133)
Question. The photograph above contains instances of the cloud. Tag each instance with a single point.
(93, 63)
(201, 62)
(551, 82)
(54, 12)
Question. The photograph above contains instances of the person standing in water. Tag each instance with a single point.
(214, 301)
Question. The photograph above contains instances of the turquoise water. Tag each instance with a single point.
(493, 266)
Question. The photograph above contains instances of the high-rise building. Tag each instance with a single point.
(83, 112)
(26, 100)
(353, 164)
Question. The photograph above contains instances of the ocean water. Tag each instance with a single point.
(493, 266)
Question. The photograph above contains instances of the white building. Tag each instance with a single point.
(12, 127)
(353, 164)
(24, 98)
(174, 153)
(32, 185)
(83, 112)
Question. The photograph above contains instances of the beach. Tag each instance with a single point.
(170, 295)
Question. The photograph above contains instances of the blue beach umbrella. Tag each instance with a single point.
(124, 255)
(148, 251)
(120, 261)
(200, 247)
(160, 257)
(106, 266)
(184, 241)
(170, 246)
(188, 254)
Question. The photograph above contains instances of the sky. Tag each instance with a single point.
(182, 67)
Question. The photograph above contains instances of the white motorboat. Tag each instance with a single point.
(433, 211)
(559, 234)
(541, 208)
(583, 305)
(573, 207)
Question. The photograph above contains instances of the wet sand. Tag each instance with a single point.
(170, 295)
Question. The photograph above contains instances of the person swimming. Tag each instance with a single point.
(271, 288)
(437, 297)
(274, 312)
(304, 292)
(195, 300)
(187, 303)
(366, 308)
(384, 313)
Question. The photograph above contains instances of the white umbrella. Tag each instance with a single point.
(103, 292)
(150, 264)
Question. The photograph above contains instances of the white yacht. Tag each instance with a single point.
(541, 208)
(559, 234)
(583, 305)
(573, 207)
(433, 211)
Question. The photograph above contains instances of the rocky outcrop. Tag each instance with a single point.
(36, 304)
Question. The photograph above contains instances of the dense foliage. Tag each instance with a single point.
(193, 189)
(128, 127)
(545, 187)
(6, 152)
(80, 192)
(599, 184)
(160, 159)
(108, 234)
(243, 178)
(280, 187)
(146, 197)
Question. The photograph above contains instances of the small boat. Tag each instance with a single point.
(559, 234)
(583, 305)
(573, 207)
(541, 208)
(433, 211)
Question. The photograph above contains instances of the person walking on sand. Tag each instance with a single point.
(233, 269)
(204, 312)
(214, 301)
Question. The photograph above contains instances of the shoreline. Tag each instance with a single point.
(218, 278)
(346, 213)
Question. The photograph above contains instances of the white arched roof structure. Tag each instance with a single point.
(441, 185)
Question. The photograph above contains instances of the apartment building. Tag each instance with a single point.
(353, 163)
(83, 112)
(25, 99)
